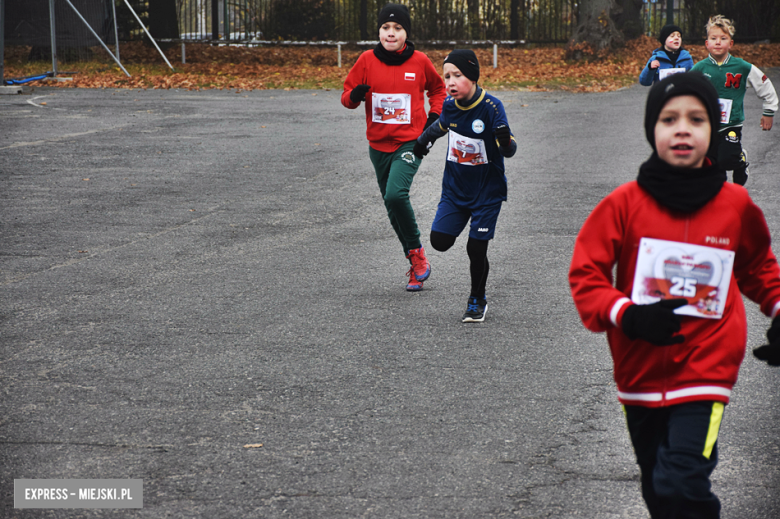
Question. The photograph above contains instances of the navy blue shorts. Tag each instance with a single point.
(452, 219)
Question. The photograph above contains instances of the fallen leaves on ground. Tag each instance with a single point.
(242, 68)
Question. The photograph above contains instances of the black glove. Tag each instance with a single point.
(740, 177)
(503, 135)
(432, 118)
(420, 150)
(359, 93)
(771, 352)
(656, 323)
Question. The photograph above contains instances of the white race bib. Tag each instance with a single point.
(725, 110)
(664, 72)
(670, 270)
(392, 108)
(465, 150)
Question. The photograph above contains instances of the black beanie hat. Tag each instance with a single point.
(667, 31)
(688, 83)
(395, 13)
(466, 61)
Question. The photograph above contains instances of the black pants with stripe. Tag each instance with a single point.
(730, 154)
(677, 449)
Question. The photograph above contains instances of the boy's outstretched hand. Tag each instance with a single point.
(420, 150)
(358, 93)
(771, 352)
(503, 135)
(766, 122)
(656, 323)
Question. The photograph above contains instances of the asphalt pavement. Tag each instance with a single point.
(201, 290)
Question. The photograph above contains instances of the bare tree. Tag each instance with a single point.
(628, 18)
(163, 22)
(475, 32)
(363, 21)
(514, 20)
(595, 31)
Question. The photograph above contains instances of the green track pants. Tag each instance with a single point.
(394, 174)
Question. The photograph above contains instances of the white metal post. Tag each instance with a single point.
(495, 55)
(116, 29)
(53, 39)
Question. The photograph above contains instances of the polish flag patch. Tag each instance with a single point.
(409, 76)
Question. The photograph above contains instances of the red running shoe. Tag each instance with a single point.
(420, 265)
(413, 285)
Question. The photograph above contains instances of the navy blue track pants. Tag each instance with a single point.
(677, 449)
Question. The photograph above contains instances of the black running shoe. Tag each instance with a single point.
(475, 310)
(741, 174)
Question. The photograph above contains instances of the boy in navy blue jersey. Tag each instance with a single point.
(474, 184)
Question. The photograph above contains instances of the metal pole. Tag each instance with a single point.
(669, 12)
(53, 39)
(2, 42)
(183, 58)
(225, 20)
(495, 55)
(339, 46)
(96, 36)
(147, 33)
(116, 30)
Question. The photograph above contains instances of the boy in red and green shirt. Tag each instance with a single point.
(392, 80)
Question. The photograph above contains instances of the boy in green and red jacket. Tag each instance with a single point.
(685, 243)
(392, 80)
(730, 77)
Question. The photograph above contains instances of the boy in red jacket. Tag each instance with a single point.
(686, 244)
(391, 79)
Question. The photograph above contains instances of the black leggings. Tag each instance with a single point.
(477, 251)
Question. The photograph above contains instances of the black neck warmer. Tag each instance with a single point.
(673, 55)
(681, 189)
(393, 58)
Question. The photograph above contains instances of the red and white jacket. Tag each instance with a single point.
(414, 77)
(705, 366)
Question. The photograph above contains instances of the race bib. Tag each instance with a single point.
(392, 108)
(725, 110)
(671, 270)
(465, 150)
(665, 72)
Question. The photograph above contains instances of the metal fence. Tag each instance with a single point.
(533, 21)
(539, 21)
(247, 21)
(755, 20)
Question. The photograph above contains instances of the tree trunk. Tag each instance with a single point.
(514, 20)
(475, 32)
(595, 32)
(363, 21)
(628, 18)
(163, 21)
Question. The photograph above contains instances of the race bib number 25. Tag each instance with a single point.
(671, 270)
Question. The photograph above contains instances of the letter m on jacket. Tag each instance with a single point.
(732, 80)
